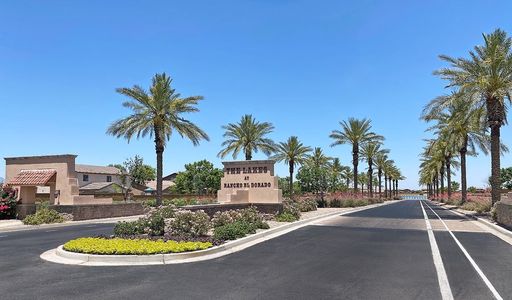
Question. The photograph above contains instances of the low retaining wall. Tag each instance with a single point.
(87, 211)
(211, 209)
(504, 213)
(99, 211)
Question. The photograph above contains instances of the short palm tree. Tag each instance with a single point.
(293, 153)
(381, 161)
(158, 113)
(369, 153)
(355, 132)
(318, 159)
(247, 136)
(487, 75)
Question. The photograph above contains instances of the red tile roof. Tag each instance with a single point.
(32, 177)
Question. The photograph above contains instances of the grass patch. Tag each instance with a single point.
(119, 246)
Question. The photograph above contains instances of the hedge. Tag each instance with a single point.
(118, 246)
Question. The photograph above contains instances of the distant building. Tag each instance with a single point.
(59, 174)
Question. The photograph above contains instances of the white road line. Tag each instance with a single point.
(50, 230)
(473, 263)
(442, 278)
(1, 236)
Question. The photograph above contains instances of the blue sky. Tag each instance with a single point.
(302, 65)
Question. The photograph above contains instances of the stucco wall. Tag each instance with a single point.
(96, 178)
(63, 164)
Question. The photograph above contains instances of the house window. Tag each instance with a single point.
(85, 177)
(109, 178)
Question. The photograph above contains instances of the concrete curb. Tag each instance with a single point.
(483, 221)
(59, 255)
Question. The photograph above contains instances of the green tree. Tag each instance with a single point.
(354, 132)
(199, 177)
(464, 127)
(133, 170)
(293, 153)
(506, 178)
(381, 162)
(487, 75)
(247, 136)
(158, 113)
(369, 153)
(455, 185)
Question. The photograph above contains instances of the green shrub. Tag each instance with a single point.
(292, 208)
(129, 228)
(187, 223)
(233, 231)
(335, 203)
(321, 203)
(307, 205)
(494, 213)
(348, 203)
(286, 217)
(43, 215)
(478, 207)
(131, 247)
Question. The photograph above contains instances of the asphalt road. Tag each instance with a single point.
(380, 253)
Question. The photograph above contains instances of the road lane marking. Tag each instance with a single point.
(52, 230)
(466, 253)
(1, 236)
(442, 278)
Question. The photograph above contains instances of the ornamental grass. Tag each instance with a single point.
(119, 246)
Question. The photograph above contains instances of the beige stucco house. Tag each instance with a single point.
(60, 175)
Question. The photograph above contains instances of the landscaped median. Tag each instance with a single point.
(230, 231)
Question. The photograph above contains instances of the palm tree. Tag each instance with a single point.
(248, 136)
(488, 76)
(346, 173)
(355, 132)
(463, 125)
(363, 178)
(318, 159)
(380, 162)
(369, 153)
(158, 113)
(293, 153)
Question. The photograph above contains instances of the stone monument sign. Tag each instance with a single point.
(250, 181)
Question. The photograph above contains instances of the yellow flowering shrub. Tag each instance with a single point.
(119, 246)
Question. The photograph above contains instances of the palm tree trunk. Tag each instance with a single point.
(463, 183)
(448, 177)
(380, 182)
(291, 163)
(495, 164)
(159, 148)
(442, 180)
(248, 155)
(370, 179)
(355, 162)
(385, 186)
(437, 185)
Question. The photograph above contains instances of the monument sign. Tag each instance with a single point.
(250, 181)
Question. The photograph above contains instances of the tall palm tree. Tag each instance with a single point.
(487, 74)
(380, 162)
(248, 136)
(158, 113)
(369, 153)
(463, 125)
(355, 132)
(293, 153)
